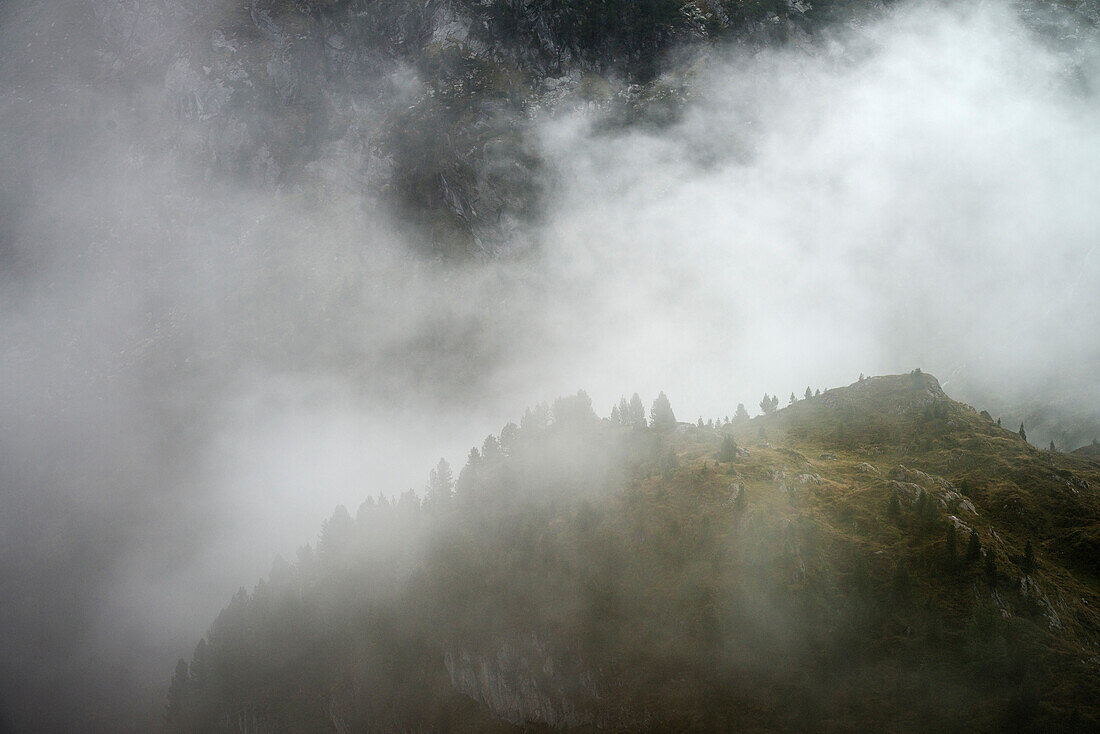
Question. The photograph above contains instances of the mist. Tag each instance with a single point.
(197, 367)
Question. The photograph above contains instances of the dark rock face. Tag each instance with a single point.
(523, 682)
(424, 108)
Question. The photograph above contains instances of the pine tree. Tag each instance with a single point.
(973, 547)
(440, 486)
(670, 462)
(769, 404)
(1023, 433)
(468, 477)
(793, 400)
(740, 415)
(177, 697)
(990, 568)
(661, 415)
(490, 450)
(893, 506)
(636, 412)
(808, 393)
(728, 450)
(1052, 449)
(615, 419)
(336, 533)
(1029, 558)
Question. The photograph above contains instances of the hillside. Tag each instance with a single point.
(1091, 451)
(877, 557)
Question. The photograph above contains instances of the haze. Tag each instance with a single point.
(197, 368)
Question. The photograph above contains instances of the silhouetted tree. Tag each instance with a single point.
(616, 417)
(1023, 433)
(490, 450)
(793, 400)
(466, 486)
(740, 415)
(769, 404)
(1052, 449)
(893, 506)
(808, 393)
(661, 415)
(990, 569)
(670, 462)
(509, 434)
(636, 414)
(928, 512)
(177, 697)
(573, 410)
(973, 547)
(336, 533)
(728, 450)
(440, 487)
(535, 419)
(1029, 558)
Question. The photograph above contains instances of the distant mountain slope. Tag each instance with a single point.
(1091, 451)
(878, 557)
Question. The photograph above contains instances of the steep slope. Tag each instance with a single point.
(875, 557)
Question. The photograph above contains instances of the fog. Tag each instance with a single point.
(198, 367)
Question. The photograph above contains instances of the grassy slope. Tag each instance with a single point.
(809, 607)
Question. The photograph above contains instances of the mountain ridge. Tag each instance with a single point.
(878, 554)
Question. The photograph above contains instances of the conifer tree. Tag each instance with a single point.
(177, 697)
(728, 450)
(1029, 558)
(670, 462)
(440, 486)
(793, 400)
(741, 415)
(636, 412)
(973, 547)
(661, 415)
(808, 393)
(893, 506)
(1023, 433)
